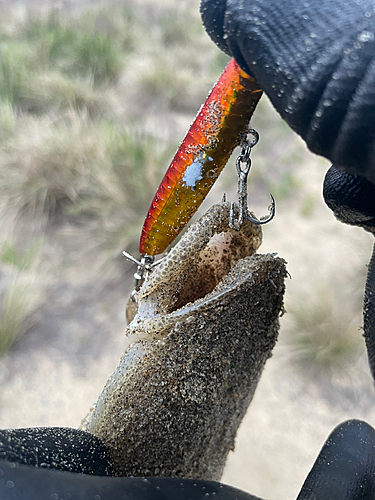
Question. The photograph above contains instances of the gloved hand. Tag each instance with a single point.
(345, 468)
(315, 61)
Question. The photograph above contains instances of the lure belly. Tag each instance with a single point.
(201, 157)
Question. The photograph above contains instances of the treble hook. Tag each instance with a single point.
(145, 266)
(244, 157)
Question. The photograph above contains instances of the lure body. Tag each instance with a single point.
(201, 157)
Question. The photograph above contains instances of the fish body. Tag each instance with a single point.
(201, 157)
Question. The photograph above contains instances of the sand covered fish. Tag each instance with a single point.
(206, 323)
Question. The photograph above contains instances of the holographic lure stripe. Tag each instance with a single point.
(201, 157)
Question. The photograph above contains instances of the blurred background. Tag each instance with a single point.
(94, 100)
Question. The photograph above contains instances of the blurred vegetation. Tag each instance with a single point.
(20, 291)
(323, 334)
(81, 99)
(92, 107)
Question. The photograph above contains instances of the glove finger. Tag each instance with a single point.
(315, 61)
(351, 198)
(369, 314)
(345, 467)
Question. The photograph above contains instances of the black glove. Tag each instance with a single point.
(345, 468)
(315, 60)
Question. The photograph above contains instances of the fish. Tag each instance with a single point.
(206, 323)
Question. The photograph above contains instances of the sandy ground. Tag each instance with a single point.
(58, 370)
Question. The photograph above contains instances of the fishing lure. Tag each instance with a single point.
(220, 126)
(201, 157)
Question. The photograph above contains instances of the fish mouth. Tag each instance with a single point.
(197, 264)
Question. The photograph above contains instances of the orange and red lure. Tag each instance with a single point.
(203, 154)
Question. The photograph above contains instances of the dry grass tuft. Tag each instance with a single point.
(324, 334)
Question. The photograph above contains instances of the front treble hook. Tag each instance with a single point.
(145, 266)
(243, 172)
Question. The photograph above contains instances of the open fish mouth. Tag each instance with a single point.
(206, 323)
(197, 263)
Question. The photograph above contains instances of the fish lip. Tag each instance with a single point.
(232, 286)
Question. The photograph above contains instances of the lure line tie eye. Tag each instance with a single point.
(243, 164)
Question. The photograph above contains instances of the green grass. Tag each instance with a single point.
(308, 204)
(7, 121)
(53, 45)
(76, 50)
(18, 304)
(54, 92)
(14, 59)
(21, 261)
(81, 167)
(22, 295)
